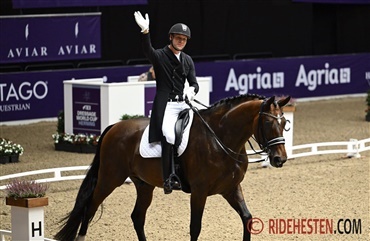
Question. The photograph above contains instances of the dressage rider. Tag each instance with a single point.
(172, 67)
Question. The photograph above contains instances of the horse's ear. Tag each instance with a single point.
(283, 102)
(269, 101)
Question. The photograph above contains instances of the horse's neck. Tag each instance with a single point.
(237, 124)
(232, 117)
(220, 108)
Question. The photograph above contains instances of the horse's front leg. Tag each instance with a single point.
(197, 203)
(236, 200)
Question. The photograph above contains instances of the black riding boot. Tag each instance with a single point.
(171, 180)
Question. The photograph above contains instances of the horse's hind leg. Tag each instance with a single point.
(143, 201)
(236, 200)
(103, 189)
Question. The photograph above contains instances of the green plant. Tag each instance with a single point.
(60, 125)
(25, 189)
(367, 117)
(8, 148)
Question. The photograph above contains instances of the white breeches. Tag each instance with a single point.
(170, 116)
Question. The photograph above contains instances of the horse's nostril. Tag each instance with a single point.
(279, 161)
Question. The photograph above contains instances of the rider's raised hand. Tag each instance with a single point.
(141, 21)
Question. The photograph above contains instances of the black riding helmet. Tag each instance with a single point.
(180, 28)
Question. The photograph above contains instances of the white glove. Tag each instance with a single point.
(141, 21)
(190, 93)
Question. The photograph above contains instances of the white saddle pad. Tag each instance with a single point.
(154, 150)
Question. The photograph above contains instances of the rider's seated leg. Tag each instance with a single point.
(171, 180)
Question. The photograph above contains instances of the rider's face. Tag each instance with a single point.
(179, 41)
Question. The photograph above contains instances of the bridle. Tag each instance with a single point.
(264, 146)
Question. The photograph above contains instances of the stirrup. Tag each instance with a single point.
(167, 187)
(172, 183)
(175, 182)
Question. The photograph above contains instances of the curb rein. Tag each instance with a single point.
(264, 147)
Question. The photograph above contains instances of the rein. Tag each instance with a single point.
(198, 102)
(227, 150)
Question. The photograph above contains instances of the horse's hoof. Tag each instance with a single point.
(167, 190)
(80, 238)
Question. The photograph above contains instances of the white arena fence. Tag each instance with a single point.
(352, 148)
(58, 175)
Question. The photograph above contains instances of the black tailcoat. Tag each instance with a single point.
(171, 75)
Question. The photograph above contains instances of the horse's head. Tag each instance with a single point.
(268, 130)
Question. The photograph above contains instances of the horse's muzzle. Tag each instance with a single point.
(278, 161)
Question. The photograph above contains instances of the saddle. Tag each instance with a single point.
(181, 123)
(153, 150)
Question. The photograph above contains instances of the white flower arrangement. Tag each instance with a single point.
(8, 148)
(79, 139)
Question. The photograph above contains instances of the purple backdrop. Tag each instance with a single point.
(49, 38)
(335, 1)
(73, 3)
(299, 77)
(33, 95)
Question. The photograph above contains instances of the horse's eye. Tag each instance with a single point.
(268, 122)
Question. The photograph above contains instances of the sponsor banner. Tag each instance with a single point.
(34, 95)
(73, 3)
(37, 38)
(299, 77)
(335, 1)
(86, 109)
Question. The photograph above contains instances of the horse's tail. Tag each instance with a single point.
(72, 221)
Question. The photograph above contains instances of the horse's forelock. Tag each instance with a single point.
(275, 104)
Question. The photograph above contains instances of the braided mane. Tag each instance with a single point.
(227, 100)
(233, 100)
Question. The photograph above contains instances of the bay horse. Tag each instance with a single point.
(214, 162)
